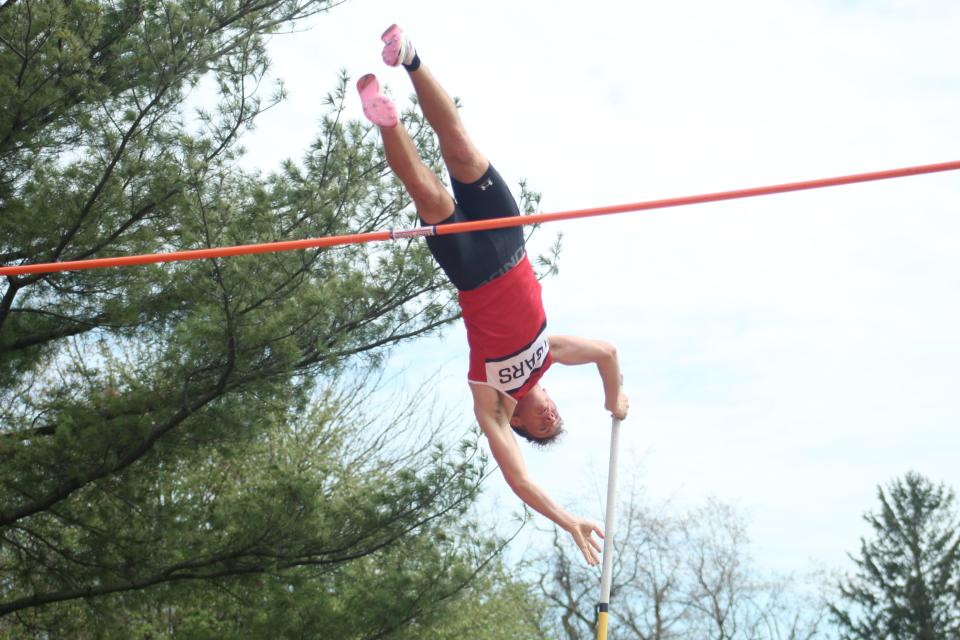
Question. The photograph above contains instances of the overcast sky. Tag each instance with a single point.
(784, 354)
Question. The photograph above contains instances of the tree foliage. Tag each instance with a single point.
(907, 582)
(186, 447)
(497, 606)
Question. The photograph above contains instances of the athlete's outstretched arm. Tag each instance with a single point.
(572, 350)
(505, 450)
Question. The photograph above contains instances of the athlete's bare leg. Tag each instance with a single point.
(430, 197)
(463, 160)
(434, 204)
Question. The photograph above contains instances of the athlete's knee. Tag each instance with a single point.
(423, 185)
(432, 201)
(436, 211)
(462, 158)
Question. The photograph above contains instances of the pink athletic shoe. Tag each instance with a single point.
(398, 49)
(378, 108)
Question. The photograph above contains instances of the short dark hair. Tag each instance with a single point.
(539, 442)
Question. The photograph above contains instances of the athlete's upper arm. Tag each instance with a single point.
(503, 444)
(574, 350)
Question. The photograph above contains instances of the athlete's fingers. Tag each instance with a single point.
(587, 552)
(587, 544)
(591, 557)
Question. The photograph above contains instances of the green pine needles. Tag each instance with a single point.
(907, 583)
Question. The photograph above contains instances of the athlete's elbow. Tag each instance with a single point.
(608, 351)
(521, 486)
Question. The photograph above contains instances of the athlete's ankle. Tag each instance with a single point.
(414, 64)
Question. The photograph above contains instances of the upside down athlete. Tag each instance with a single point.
(498, 291)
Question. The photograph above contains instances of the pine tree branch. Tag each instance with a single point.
(391, 339)
(251, 558)
(129, 457)
(138, 409)
(421, 604)
(6, 303)
(71, 327)
(143, 211)
(117, 154)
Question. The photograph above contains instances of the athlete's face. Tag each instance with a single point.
(537, 414)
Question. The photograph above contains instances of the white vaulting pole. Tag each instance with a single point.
(607, 575)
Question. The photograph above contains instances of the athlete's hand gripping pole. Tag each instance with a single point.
(607, 575)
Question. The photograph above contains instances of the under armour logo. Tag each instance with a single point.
(487, 184)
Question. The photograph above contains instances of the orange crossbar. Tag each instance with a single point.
(463, 227)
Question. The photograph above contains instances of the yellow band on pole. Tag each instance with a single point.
(602, 626)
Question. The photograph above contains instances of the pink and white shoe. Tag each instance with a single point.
(378, 108)
(398, 48)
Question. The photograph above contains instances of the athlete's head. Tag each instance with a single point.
(535, 417)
